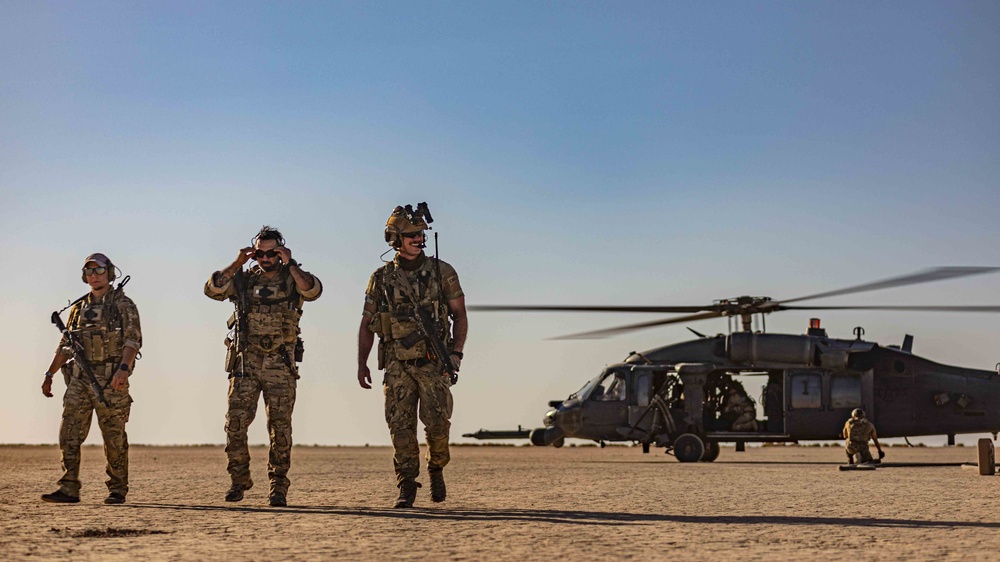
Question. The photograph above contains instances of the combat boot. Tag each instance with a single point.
(407, 493)
(114, 498)
(235, 492)
(60, 497)
(438, 491)
(277, 499)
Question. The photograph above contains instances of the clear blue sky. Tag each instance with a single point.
(574, 152)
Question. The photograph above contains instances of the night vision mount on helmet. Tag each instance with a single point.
(406, 220)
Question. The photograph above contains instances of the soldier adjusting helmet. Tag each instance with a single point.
(404, 221)
(858, 414)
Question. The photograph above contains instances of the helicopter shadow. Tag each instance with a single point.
(576, 517)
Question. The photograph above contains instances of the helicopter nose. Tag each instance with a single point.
(550, 418)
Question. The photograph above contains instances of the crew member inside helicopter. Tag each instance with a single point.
(615, 391)
(738, 407)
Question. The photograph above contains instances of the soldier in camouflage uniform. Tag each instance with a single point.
(262, 354)
(857, 431)
(106, 323)
(739, 408)
(415, 383)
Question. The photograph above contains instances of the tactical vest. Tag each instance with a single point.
(859, 431)
(98, 327)
(273, 312)
(395, 323)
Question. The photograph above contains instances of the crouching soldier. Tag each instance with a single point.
(857, 431)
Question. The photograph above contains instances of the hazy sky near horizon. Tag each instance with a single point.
(571, 153)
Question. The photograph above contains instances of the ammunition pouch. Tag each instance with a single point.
(67, 370)
(300, 350)
(384, 324)
(232, 355)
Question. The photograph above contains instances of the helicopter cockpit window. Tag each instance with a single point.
(845, 391)
(806, 390)
(611, 389)
(642, 390)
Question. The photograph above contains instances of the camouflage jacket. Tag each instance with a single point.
(858, 431)
(104, 325)
(391, 313)
(274, 306)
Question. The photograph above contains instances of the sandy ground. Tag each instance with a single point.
(510, 503)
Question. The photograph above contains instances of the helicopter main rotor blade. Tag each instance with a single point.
(922, 308)
(935, 274)
(596, 334)
(573, 308)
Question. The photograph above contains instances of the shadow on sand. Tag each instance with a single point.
(571, 517)
(793, 463)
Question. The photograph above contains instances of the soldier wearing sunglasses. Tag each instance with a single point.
(263, 351)
(106, 323)
(416, 384)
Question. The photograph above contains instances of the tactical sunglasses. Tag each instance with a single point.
(94, 270)
(412, 234)
(261, 253)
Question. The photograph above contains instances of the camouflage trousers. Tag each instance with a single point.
(79, 404)
(412, 392)
(270, 375)
(859, 448)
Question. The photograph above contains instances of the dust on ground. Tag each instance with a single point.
(511, 503)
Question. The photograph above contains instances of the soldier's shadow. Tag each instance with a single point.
(574, 517)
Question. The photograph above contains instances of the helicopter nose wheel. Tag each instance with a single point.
(689, 448)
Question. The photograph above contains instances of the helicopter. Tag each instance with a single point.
(684, 397)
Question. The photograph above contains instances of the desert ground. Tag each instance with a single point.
(511, 503)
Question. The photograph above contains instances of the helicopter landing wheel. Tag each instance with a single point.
(689, 448)
(711, 451)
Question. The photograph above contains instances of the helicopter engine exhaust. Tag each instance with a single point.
(745, 347)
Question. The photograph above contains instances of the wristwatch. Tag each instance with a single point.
(458, 354)
(292, 262)
(47, 374)
(123, 367)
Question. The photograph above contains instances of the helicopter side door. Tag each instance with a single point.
(642, 390)
(819, 401)
(606, 409)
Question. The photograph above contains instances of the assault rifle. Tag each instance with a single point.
(239, 323)
(429, 328)
(79, 357)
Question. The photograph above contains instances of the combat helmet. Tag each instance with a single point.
(858, 414)
(405, 220)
